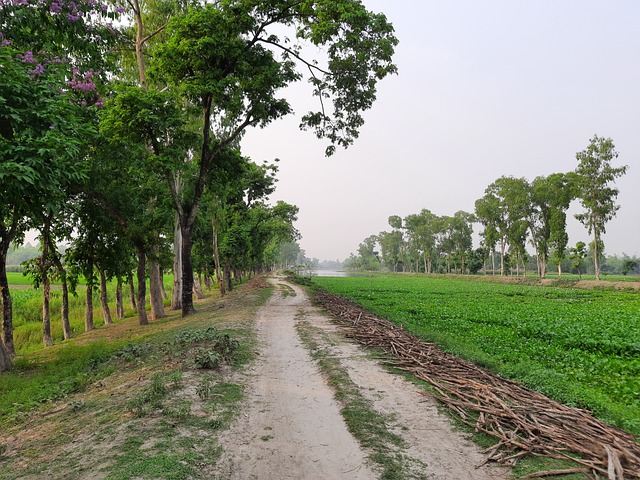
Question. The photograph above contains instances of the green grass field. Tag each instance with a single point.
(27, 310)
(580, 347)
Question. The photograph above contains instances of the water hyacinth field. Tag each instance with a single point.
(578, 346)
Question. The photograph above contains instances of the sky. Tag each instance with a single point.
(484, 89)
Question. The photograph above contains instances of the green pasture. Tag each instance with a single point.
(578, 346)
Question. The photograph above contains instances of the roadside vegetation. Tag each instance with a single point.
(580, 347)
(128, 400)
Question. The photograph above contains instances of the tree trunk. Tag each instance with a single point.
(5, 359)
(559, 269)
(142, 287)
(596, 260)
(176, 298)
(187, 271)
(119, 300)
(88, 310)
(227, 274)
(62, 273)
(207, 278)
(46, 300)
(7, 309)
(64, 309)
(216, 258)
(132, 292)
(104, 299)
(197, 289)
(493, 262)
(155, 290)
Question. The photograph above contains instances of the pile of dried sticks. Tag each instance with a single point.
(524, 422)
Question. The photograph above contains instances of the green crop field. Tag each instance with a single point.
(580, 347)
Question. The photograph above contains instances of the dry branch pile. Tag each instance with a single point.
(523, 421)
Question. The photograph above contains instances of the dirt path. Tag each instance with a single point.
(291, 425)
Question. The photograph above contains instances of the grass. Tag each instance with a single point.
(27, 311)
(581, 347)
(129, 407)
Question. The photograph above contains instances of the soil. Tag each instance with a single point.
(291, 425)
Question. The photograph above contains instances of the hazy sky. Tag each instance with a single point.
(484, 89)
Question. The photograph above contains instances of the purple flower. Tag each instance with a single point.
(5, 43)
(73, 18)
(104, 7)
(55, 8)
(20, 3)
(120, 9)
(27, 57)
(39, 70)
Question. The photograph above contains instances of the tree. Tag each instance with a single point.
(421, 229)
(550, 198)
(594, 179)
(504, 211)
(50, 54)
(629, 265)
(577, 255)
(225, 59)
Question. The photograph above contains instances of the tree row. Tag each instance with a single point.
(512, 213)
(124, 143)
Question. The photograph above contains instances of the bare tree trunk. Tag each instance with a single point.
(119, 300)
(187, 272)
(104, 299)
(64, 309)
(596, 260)
(142, 286)
(62, 273)
(227, 274)
(88, 309)
(197, 289)
(155, 290)
(207, 278)
(559, 269)
(5, 358)
(176, 298)
(132, 292)
(7, 309)
(216, 258)
(46, 310)
(493, 262)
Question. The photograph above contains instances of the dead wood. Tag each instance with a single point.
(523, 421)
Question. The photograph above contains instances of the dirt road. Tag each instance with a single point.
(291, 425)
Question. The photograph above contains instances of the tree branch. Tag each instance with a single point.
(291, 52)
(151, 35)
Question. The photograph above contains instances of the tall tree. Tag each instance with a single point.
(550, 198)
(594, 178)
(52, 54)
(227, 59)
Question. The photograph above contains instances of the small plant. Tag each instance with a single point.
(205, 387)
(176, 379)
(3, 450)
(131, 351)
(207, 359)
(149, 399)
(179, 412)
